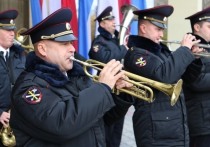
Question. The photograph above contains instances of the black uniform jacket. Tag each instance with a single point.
(49, 110)
(158, 123)
(8, 75)
(197, 93)
(105, 47)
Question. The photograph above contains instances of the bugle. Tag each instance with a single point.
(141, 85)
(205, 46)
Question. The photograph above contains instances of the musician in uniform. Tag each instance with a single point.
(104, 48)
(53, 102)
(12, 62)
(197, 83)
(158, 123)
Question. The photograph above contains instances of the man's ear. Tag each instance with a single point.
(42, 49)
(142, 28)
(196, 27)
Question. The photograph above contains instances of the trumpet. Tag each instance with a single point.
(204, 54)
(141, 85)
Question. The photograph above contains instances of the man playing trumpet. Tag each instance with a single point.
(158, 124)
(54, 102)
(197, 84)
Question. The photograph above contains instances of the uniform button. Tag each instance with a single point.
(167, 117)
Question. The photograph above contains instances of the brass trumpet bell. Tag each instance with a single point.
(141, 85)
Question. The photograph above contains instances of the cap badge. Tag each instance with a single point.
(33, 95)
(11, 21)
(141, 62)
(165, 19)
(68, 26)
(95, 48)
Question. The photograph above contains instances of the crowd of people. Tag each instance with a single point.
(49, 101)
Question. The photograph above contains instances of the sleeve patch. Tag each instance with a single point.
(33, 95)
(95, 48)
(141, 62)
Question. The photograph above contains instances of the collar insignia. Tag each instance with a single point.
(141, 62)
(95, 48)
(33, 95)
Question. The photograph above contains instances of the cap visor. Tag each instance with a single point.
(69, 37)
(8, 27)
(158, 24)
(109, 18)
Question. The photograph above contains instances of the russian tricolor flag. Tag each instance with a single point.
(84, 13)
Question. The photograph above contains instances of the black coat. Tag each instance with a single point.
(197, 93)
(8, 75)
(104, 47)
(158, 123)
(65, 112)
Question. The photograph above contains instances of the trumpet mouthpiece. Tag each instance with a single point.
(72, 58)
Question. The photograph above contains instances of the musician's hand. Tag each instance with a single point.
(111, 73)
(4, 118)
(121, 83)
(189, 40)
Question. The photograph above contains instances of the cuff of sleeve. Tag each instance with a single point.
(107, 87)
(124, 100)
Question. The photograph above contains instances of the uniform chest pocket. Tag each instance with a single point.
(167, 125)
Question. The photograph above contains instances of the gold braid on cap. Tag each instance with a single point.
(106, 17)
(153, 19)
(2, 25)
(205, 17)
(57, 35)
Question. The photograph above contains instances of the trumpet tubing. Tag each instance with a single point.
(20, 39)
(141, 85)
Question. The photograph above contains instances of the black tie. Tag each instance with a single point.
(7, 56)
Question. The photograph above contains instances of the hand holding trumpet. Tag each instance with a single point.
(189, 41)
(113, 76)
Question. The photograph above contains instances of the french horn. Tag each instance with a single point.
(20, 39)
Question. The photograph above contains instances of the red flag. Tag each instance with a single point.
(74, 22)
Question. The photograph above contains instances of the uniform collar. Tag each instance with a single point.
(4, 50)
(203, 41)
(106, 34)
(144, 43)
